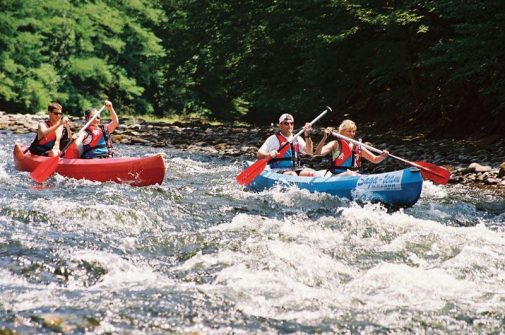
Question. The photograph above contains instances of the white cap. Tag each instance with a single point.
(286, 117)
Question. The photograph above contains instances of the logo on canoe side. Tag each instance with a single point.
(381, 182)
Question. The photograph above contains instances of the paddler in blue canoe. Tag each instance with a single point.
(290, 162)
(345, 156)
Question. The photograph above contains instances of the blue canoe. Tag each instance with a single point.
(400, 188)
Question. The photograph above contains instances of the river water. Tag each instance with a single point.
(198, 254)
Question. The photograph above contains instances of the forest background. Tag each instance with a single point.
(435, 65)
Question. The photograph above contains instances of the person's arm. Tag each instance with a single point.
(264, 154)
(264, 151)
(376, 159)
(309, 146)
(44, 130)
(114, 119)
(79, 138)
(66, 124)
(57, 140)
(329, 147)
(321, 143)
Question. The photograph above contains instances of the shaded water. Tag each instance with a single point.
(200, 254)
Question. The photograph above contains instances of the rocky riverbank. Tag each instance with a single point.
(478, 162)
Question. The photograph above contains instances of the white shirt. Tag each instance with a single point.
(272, 143)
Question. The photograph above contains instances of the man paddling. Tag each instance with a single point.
(52, 134)
(289, 163)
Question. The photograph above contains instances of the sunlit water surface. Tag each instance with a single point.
(200, 254)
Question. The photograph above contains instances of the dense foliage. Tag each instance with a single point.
(78, 53)
(440, 62)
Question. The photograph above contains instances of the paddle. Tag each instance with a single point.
(436, 174)
(47, 168)
(248, 175)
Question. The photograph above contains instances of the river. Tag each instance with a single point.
(199, 254)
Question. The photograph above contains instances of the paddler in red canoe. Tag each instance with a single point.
(52, 134)
(95, 141)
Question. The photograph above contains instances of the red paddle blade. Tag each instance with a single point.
(436, 174)
(248, 175)
(45, 169)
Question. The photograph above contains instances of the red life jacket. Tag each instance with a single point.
(100, 144)
(48, 139)
(348, 159)
(96, 135)
(45, 144)
(290, 158)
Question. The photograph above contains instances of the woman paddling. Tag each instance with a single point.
(345, 156)
(95, 142)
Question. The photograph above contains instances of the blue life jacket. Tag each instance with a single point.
(100, 145)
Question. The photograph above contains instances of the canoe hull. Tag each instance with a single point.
(136, 171)
(400, 188)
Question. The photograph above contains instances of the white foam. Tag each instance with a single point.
(282, 264)
(7, 278)
(4, 176)
(193, 167)
(291, 269)
(120, 272)
(432, 191)
(17, 294)
(97, 216)
(396, 285)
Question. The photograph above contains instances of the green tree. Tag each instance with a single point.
(467, 64)
(79, 53)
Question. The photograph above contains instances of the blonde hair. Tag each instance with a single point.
(347, 124)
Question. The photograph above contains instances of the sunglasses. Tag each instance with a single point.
(287, 123)
(57, 113)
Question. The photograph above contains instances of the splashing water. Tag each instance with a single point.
(200, 254)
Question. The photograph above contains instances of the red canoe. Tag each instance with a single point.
(136, 171)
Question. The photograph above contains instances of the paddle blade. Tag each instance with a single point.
(45, 169)
(436, 174)
(248, 175)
